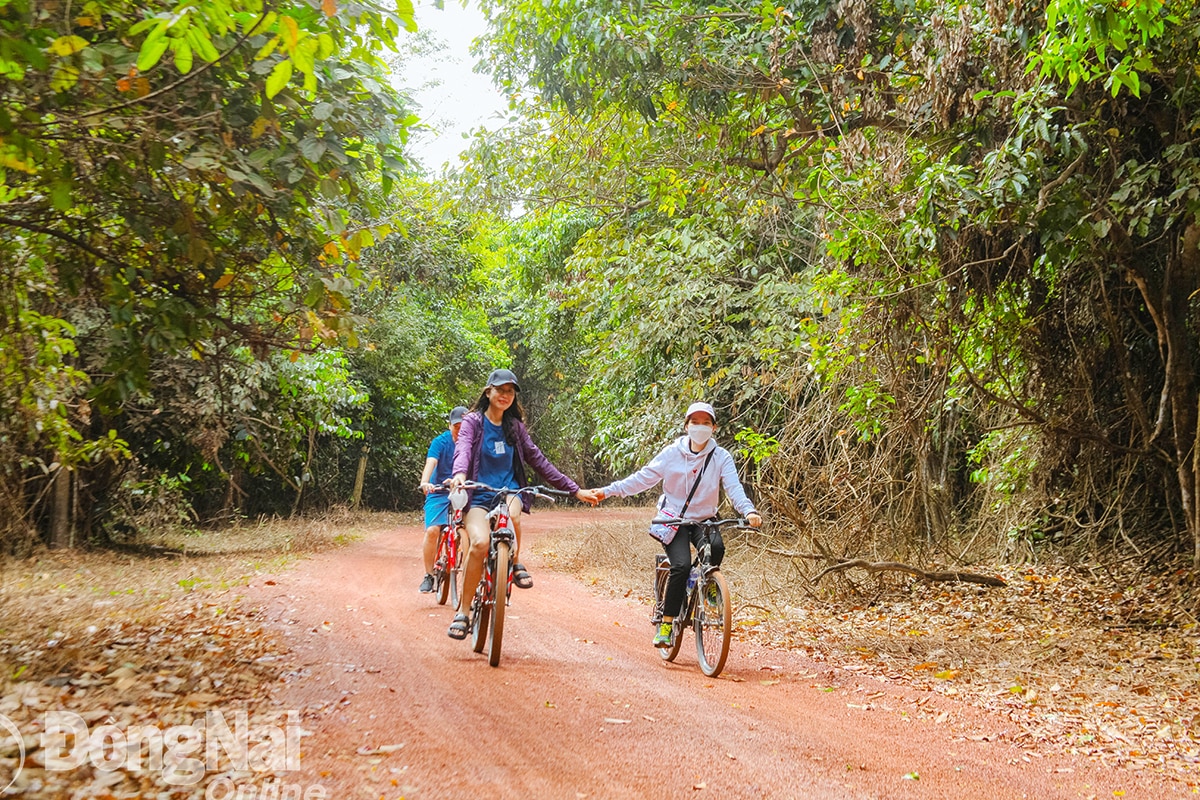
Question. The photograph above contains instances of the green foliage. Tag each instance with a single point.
(755, 446)
(1004, 462)
(321, 391)
(178, 198)
(186, 191)
(946, 228)
(149, 507)
(1081, 35)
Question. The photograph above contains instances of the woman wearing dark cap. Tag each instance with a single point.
(493, 448)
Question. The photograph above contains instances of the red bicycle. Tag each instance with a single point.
(447, 568)
(488, 605)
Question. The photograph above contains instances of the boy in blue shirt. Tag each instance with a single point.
(439, 462)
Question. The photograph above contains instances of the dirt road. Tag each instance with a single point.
(582, 706)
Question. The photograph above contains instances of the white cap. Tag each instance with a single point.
(696, 408)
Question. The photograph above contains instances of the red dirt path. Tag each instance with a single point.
(581, 705)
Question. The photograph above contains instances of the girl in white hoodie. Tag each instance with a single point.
(677, 468)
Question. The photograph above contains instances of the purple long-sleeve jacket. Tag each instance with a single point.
(469, 448)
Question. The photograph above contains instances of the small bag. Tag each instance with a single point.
(665, 533)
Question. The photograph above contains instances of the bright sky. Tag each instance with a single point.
(453, 98)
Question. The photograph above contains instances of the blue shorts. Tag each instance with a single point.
(436, 506)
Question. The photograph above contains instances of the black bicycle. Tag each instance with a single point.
(489, 604)
(707, 606)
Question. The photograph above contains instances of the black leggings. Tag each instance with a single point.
(679, 553)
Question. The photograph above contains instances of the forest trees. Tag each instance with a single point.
(935, 263)
(939, 262)
(188, 192)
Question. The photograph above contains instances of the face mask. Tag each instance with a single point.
(700, 434)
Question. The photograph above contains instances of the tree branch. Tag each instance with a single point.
(66, 237)
(895, 566)
(1047, 189)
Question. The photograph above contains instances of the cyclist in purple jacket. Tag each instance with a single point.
(493, 448)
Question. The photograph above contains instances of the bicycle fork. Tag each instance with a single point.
(501, 532)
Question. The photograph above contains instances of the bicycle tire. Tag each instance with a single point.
(499, 602)
(670, 653)
(479, 621)
(455, 571)
(713, 624)
(441, 575)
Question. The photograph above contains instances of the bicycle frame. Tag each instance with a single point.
(700, 563)
(487, 606)
(449, 562)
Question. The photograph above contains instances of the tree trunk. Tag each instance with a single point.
(305, 473)
(60, 523)
(1182, 280)
(356, 498)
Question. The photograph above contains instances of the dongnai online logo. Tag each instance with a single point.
(181, 754)
(12, 742)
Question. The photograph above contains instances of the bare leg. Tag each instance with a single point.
(475, 553)
(514, 518)
(430, 548)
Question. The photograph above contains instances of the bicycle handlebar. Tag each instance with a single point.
(536, 491)
(739, 522)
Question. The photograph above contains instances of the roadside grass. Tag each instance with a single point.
(71, 590)
(1073, 657)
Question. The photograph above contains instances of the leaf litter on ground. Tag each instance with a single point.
(149, 641)
(1077, 660)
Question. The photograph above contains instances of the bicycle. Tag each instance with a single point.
(447, 567)
(487, 607)
(706, 607)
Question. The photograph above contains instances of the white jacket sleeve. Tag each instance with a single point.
(733, 486)
(645, 478)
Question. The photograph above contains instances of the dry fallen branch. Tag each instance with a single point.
(895, 566)
(789, 553)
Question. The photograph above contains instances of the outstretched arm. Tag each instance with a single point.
(535, 458)
(645, 478)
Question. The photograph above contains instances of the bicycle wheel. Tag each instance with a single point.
(714, 621)
(499, 602)
(441, 572)
(669, 653)
(660, 589)
(479, 620)
(454, 573)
